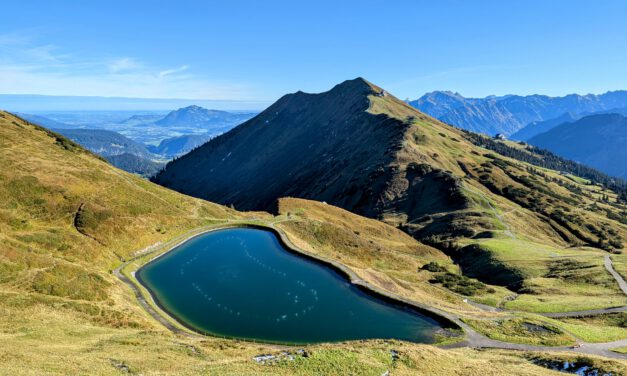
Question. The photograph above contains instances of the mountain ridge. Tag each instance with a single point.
(510, 113)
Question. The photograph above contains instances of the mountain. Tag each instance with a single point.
(286, 150)
(104, 142)
(507, 114)
(135, 164)
(198, 117)
(597, 140)
(360, 148)
(136, 120)
(176, 146)
(537, 127)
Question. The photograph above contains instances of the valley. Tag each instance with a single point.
(140, 142)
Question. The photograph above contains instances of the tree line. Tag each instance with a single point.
(546, 159)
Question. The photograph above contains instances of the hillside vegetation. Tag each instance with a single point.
(67, 218)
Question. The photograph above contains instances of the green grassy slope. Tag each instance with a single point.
(67, 218)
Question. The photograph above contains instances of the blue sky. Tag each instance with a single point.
(260, 50)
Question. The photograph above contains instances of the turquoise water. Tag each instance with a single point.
(243, 283)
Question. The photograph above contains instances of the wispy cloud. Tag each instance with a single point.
(169, 72)
(27, 67)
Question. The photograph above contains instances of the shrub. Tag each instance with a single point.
(433, 267)
(461, 284)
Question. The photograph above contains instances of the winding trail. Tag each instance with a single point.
(610, 268)
(472, 339)
(508, 230)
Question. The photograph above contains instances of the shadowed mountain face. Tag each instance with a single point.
(119, 150)
(508, 114)
(598, 140)
(135, 164)
(359, 148)
(537, 127)
(325, 146)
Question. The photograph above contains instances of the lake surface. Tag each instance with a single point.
(243, 283)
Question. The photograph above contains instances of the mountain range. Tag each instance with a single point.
(510, 113)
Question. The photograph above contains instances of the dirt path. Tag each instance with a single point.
(142, 301)
(477, 340)
(508, 230)
(473, 338)
(610, 268)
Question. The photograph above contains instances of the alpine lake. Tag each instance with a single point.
(245, 283)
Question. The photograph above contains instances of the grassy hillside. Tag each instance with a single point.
(378, 253)
(67, 218)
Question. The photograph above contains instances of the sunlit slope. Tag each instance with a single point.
(66, 215)
(513, 197)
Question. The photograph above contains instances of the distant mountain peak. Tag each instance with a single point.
(191, 115)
